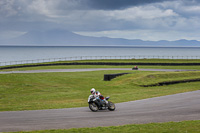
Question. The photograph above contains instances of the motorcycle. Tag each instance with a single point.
(96, 104)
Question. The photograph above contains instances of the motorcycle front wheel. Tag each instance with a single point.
(93, 107)
(111, 106)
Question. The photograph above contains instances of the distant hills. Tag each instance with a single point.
(67, 38)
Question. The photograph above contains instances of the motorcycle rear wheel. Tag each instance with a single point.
(93, 107)
(111, 106)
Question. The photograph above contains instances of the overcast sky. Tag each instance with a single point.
(132, 19)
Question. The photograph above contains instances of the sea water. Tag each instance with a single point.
(17, 53)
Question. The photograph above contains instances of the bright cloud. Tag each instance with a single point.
(145, 12)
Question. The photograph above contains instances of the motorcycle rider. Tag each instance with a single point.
(97, 94)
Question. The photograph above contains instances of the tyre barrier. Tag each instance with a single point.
(108, 77)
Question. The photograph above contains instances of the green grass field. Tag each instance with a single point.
(36, 91)
(71, 89)
(169, 127)
(101, 66)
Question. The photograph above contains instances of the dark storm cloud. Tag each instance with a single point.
(103, 4)
(118, 4)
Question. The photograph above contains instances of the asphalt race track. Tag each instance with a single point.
(177, 107)
(89, 69)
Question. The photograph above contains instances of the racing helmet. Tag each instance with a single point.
(92, 90)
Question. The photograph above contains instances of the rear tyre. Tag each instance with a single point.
(93, 107)
(111, 106)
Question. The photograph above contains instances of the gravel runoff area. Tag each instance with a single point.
(177, 107)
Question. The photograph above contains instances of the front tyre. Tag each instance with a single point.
(93, 107)
(111, 106)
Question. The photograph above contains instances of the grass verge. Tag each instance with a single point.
(168, 127)
(159, 78)
(101, 66)
(54, 65)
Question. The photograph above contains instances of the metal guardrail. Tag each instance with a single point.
(95, 58)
